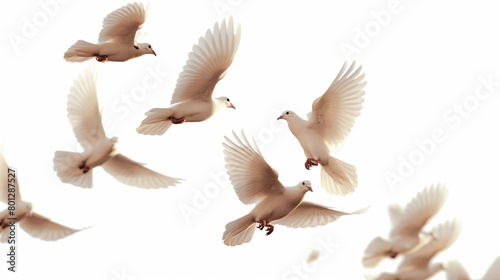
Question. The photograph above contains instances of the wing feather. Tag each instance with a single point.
(41, 227)
(123, 23)
(207, 63)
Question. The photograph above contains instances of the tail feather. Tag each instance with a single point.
(338, 177)
(156, 122)
(81, 51)
(66, 165)
(239, 231)
(375, 252)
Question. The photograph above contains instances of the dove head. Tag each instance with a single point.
(144, 48)
(225, 102)
(305, 186)
(287, 115)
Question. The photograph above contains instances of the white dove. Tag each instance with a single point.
(416, 264)
(85, 118)
(256, 182)
(117, 38)
(328, 124)
(456, 271)
(407, 224)
(22, 214)
(192, 100)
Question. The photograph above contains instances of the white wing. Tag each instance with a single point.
(207, 63)
(333, 114)
(40, 227)
(308, 214)
(456, 271)
(445, 235)
(248, 171)
(123, 23)
(83, 109)
(7, 186)
(135, 174)
(493, 272)
(420, 210)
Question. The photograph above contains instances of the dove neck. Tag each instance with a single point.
(297, 125)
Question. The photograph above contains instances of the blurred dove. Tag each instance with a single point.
(456, 271)
(33, 223)
(256, 182)
(416, 264)
(313, 256)
(117, 38)
(407, 224)
(85, 118)
(328, 125)
(192, 100)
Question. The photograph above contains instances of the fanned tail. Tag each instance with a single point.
(338, 177)
(66, 165)
(239, 231)
(156, 122)
(81, 51)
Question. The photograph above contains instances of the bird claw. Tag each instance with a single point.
(86, 169)
(101, 58)
(394, 254)
(178, 121)
(310, 162)
(262, 224)
(81, 165)
(269, 229)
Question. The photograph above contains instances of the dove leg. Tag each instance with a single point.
(101, 58)
(177, 121)
(262, 224)
(86, 169)
(269, 229)
(81, 165)
(393, 254)
(310, 162)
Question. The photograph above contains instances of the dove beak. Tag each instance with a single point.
(154, 52)
(310, 188)
(232, 106)
(280, 117)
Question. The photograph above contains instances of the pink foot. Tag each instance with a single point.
(270, 229)
(262, 224)
(101, 58)
(82, 165)
(394, 254)
(86, 169)
(310, 162)
(178, 121)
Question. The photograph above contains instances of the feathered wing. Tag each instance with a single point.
(122, 24)
(493, 272)
(41, 227)
(135, 174)
(456, 271)
(333, 114)
(395, 213)
(376, 251)
(83, 109)
(5, 185)
(445, 235)
(308, 214)
(420, 210)
(207, 63)
(248, 171)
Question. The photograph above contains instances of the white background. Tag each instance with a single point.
(421, 64)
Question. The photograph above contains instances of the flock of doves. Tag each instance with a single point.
(254, 180)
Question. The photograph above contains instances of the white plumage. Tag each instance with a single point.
(192, 100)
(85, 118)
(329, 123)
(256, 182)
(116, 39)
(456, 271)
(33, 223)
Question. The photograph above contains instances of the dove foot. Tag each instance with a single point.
(81, 165)
(177, 121)
(262, 224)
(394, 254)
(85, 169)
(310, 162)
(101, 58)
(269, 229)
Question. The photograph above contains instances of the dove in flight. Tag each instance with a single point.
(256, 182)
(416, 265)
(85, 118)
(192, 100)
(117, 38)
(407, 223)
(23, 215)
(456, 271)
(328, 124)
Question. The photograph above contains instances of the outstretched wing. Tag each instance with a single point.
(420, 210)
(207, 63)
(135, 174)
(308, 214)
(333, 114)
(83, 109)
(248, 171)
(9, 184)
(40, 227)
(445, 235)
(122, 24)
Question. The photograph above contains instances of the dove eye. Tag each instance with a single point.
(287, 114)
(136, 47)
(302, 182)
(228, 100)
(149, 46)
